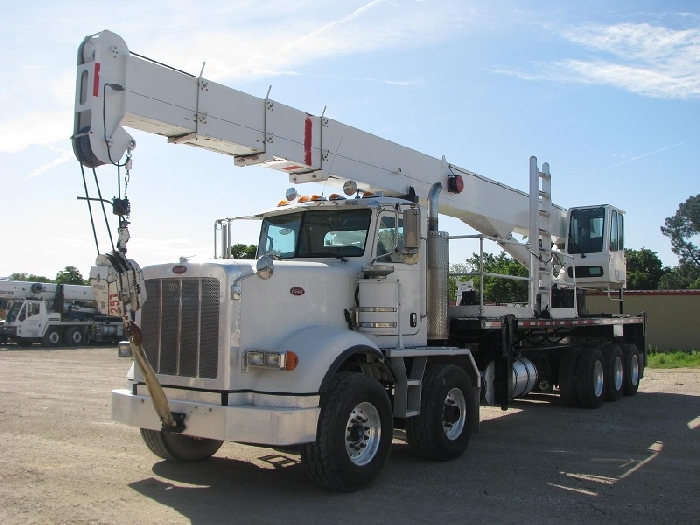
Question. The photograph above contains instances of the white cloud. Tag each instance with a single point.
(65, 156)
(279, 46)
(649, 60)
(36, 128)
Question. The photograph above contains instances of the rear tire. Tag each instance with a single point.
(590, 380)
(179, 447)
(75, 336)
(354, 435)
(442, 430)
(567, 377)
(614, 372)
(633, 369)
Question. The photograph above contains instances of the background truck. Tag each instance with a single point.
(54, 314)
(342, 334)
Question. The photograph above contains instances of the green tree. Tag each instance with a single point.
(681, 277)
(243, 251)
(70, 275)
(496, 289)
(644, 269)
(682, 228)
(29, 277)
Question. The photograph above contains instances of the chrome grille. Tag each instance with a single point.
(180, 326)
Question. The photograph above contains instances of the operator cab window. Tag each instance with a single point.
(586, 231)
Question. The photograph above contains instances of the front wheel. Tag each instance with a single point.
(353, 440)
(52, 337)
(442, 429)
(179, 447)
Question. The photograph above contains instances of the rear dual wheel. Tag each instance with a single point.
(634, 369)
(614, 375)
(582, 377)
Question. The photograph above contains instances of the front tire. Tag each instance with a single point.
(52, 337)
(179, 447)
(442, 430)
(354, 435)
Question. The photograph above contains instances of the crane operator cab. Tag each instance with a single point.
(595, 242)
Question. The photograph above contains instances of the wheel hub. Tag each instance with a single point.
(454, 414)
(362, 433)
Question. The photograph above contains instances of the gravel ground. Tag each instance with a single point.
(63, 461)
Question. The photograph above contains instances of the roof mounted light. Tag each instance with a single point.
(317, 198)
(291, 194)
(350, 188)
(336, 197)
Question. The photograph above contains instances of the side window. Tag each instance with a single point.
(613, 232)
(621, 231)
(389, 230)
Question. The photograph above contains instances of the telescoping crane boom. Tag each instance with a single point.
(117, 89)
(342, 331)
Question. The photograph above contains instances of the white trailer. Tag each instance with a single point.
(54, 314)
(341, 332)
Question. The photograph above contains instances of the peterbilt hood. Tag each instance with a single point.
(298, 293)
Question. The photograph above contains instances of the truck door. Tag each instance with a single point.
(30, 320)
(411, 293)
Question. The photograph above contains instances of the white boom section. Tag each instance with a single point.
(43, 291)
(117, 89)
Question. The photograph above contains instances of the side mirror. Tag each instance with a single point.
(411, 235)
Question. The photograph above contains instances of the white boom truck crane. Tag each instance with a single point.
(341, 332)
(54, 314)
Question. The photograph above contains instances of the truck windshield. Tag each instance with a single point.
(315, 233)
(586, 231)
(13, 311)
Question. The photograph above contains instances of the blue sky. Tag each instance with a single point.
(607, 92)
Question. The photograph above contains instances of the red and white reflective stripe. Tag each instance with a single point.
(96, 81)
(308, 127)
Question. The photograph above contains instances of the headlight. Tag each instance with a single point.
(270, 360)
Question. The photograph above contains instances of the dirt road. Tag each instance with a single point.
(63, 461)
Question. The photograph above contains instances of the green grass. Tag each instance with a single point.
(673, 359)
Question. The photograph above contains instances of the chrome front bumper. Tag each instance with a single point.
(263, 425)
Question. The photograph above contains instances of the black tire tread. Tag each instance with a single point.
(317, 456)
(584, 375)
(628, 388)
(567, 377)
(166, 446)
(609, 353)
